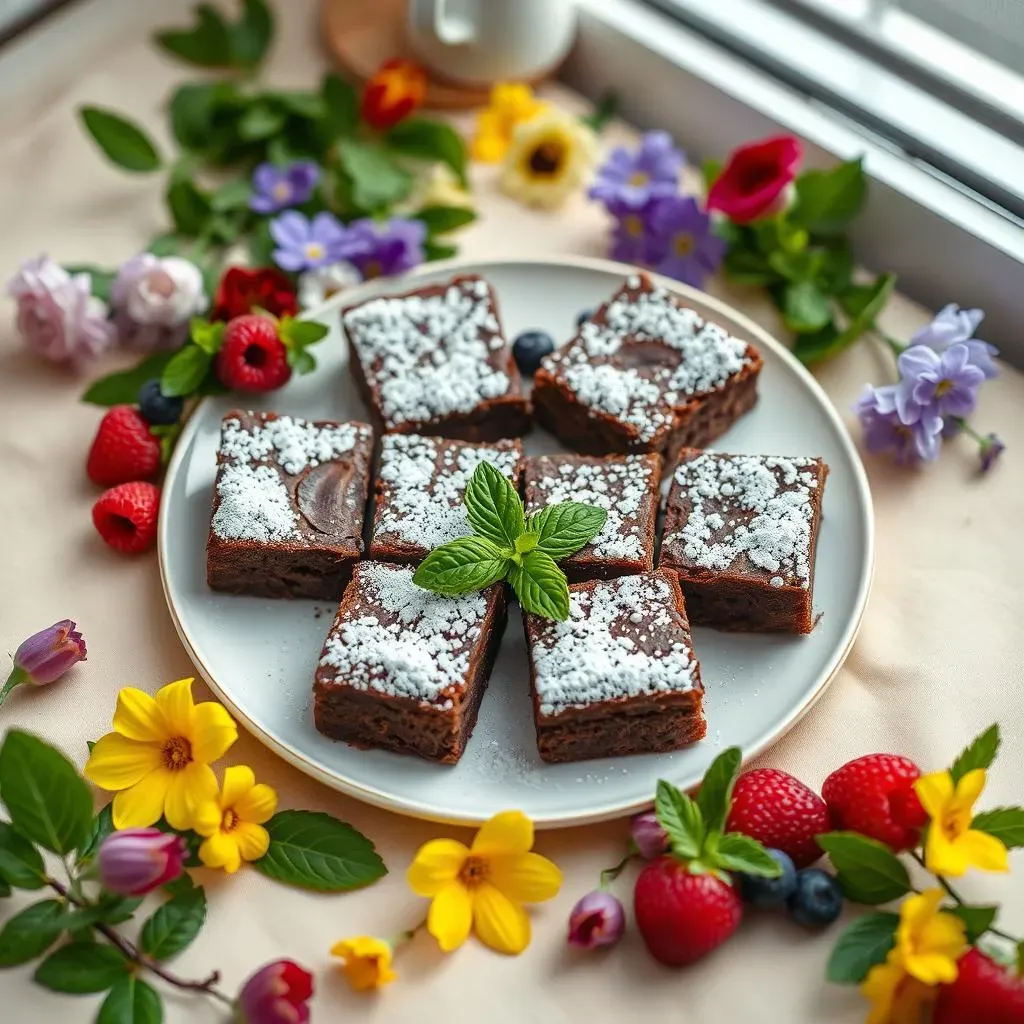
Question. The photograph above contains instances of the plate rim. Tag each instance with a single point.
(410, 808)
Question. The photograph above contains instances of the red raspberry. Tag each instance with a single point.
(125, 516)
(123, 449)
(874, 795)
(984, 993)
(779, 811)
(681, 916)
(252, 357)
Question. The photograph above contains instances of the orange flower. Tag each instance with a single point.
(397, 88)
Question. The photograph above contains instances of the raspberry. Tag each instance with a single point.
(125, 516)
(874, 795)
(123, 449)
(252, 357)
(780, 812)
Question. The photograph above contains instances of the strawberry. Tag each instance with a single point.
(123, 449)
(779, 811)
(874, 795)
(683, 916)
(983, 993)
(125, 516)
(252, 356)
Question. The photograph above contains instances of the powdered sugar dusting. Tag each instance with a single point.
(296, 444)
(254, 505)
(624, 394)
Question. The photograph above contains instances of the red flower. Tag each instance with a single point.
(242, 291)
(397, 88)
(754, 180)
(276, 994)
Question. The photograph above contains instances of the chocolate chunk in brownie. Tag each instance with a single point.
(626, 486)
(288, 505)
(435, 361)
(420, 486)
(404, 669)
(619, 676)
(741, 531)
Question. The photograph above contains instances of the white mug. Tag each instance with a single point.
(477, 42)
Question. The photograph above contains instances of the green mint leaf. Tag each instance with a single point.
(208, 336)
(231, 196)
(377, 180)
(977, 919)
(131, 1001)
(122, 142)
(462, 565)
(21, 864)
(681, 819)
(715, 793)
(312, 850)
(442, 219)
(1005, 823)
(206, 45)
(250, 36)
(526, 542)
(835, 268)
(735, 852)
(48, 801)
(174, 925)
(30, 933)
(300, 360)
(826, 201)
(564, 528)
(493, 506)
(797, 266)
(540, 585)
(868, 871)
(430, 140)
(81, 968)
(186, 371)
(863, 944)
(122, 388)
(300, 333)
(191, 111)
(102, 826)
(342, 103)
(101, 281)
(805, 307)
(979, 753)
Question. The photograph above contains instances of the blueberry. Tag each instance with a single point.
(156, 407)
(585, 314)
(530, 348)
(770, 892)
(817, 901)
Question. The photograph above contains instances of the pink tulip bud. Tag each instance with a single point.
(597, 920)
(276, 994)
(136, 861)
(648, 836)
(45, 656)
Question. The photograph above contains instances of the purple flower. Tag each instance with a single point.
(649, 837)
(380, 249)
(58, 317)
(884, 431)
(936, 385)
(634, 239)
(154, 298)
(953, 325)
(629, 180)
(137, 861)
(689, 251)
(45, 656)
(278, 993)
(277, 188)
(990, 450)
(305, 244)
(597, 920)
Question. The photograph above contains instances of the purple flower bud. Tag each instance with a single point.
(136, 861)
(45, 656)
(648, 836)
(991, 448)
(597, 920)
(276, 994)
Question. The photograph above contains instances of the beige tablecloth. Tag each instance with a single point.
(938, 659)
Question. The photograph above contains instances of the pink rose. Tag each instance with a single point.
(155, 298)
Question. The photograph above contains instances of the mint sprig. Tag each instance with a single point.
(507, 546)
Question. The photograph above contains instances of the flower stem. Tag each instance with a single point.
(610, 874)
(408, 934)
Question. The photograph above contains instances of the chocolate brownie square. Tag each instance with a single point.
(741, 531)
(434, 361)
(645, 373)
(626, 486)
(619, 675)
(289, 501)
(420, 486)
(404, 669)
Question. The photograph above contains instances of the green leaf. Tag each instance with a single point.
(191, 113)
(980, 753)
(747, 267)
(189, 207)
(436, 251)
(30, 933)
(835, 269)
(828, 342)
(540, 585)
(102, 281)
(182, 884)
(81, 968)
(564, 528)
(868, 871)
(736, 852)
(442, 219)
(604, 110)
(797, 266)
(167, 244)
(21, 864)
(259, 122)
(102, 826)
(805, 308)
(300, 360)
(681, 819)
(826, 201)
(430, 140)
(977, 919)
(208, 336)
(232, 195)
(711, 169)
(250, 36)
(185, 372)
(5, 888)
(715, 793)
(1005, 823)
(377, 181)
(863, 944)
(123, 388)
(206, 45)
(342, 103)
(122, 142)
(314, 851)
(261, 245)
(131, 1001)
(309, 105)
(462, 565)
(493, 507)
(174, 925)
(47, 799)
(110, 909)
(301, 333)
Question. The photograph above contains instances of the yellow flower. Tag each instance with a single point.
(511, 103)
(952, 845)
(157, 759)
(550, 157)
(366, 962)
(485, 886)
(232, 820)
(895, 996)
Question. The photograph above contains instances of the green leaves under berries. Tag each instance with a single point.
(186, 372)
(865, 943)
(1005, 823)
(122, 142)
(868, 871)
(122, 388)
(715, 793)
(980, 753)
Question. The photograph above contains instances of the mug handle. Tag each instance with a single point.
(449, 26)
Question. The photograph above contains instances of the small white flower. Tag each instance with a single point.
(155, 297)
(317, 286)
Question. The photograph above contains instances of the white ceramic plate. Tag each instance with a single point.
(259, 655)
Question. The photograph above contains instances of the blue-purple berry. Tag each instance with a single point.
(817, 900)
(771, 893)
(584, 315)
(158, 409)
(530, 348)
